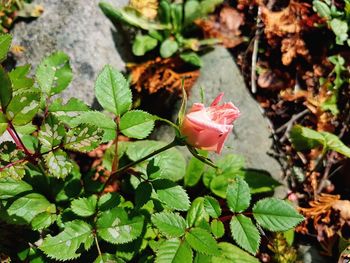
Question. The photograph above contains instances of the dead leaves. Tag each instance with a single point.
(284, 28)
(224, 27)
(328, 215)
(162, 75)
(148, 8)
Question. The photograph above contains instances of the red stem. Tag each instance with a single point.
(12, 164)
(11, 130)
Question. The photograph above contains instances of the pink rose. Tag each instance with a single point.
(208, 128)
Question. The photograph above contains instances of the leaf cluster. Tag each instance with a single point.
(170, 31)
(151, 217)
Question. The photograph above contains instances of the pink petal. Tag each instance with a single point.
(217, 100)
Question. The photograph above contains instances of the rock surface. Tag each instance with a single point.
(80, 29)
(251, 134)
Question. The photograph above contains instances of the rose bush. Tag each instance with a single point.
(208, 128)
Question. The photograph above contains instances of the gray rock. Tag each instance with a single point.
(80, 29)
(251, 134)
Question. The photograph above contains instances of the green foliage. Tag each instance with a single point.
(173, 23)
(64, 246)
(84, 207)
(276, 215)
(170, 224)
(49, 185)
(136, 124)
(54, 74)
(245, 233)
(238, 195)
(304, 139)
(143, 44)
(5, 44)
(174, 251)
(202, 241)
(112, 91)
(115, 226)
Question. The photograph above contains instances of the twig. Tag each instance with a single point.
(255, 52)
(115, 174)
(289, 124)
(98, 246)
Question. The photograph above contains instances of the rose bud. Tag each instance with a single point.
(208, 128)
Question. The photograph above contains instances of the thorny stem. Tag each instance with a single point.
(115, 174)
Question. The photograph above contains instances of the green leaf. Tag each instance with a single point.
(54, 73)
(27, 207)
(177, 16)
(233, 254)
(168, 48)
(196, 214)
(174, 251)
(108, 201)
(192, 11)
(142, 194)
(304, 138)
(115, 226)
(208, 6)
(58, 163)
(112, 91)
(65, 245)
(23, 107)
(3, 123)
(10, 187)
(173, 195)
(73, 107)
(136, 124)
(340, 29)
(5, 44)
(51, 133)
(129, 16)
(83, 138)
(276, 215)
(5, 89)
(201, 241)
(245, 233)
(43, 220)
(238, 195)
(170, 224)
(212, 206)
(85, 206)
(217, 228)
(19, 78)
(171, 163)
(194, 171)
(191, 58)
(259, 181)
(99, 120)
(322, 9)
(143, 44)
